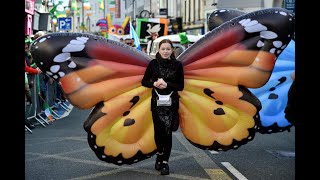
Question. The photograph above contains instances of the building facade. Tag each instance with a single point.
(192, 14)
(183, 15)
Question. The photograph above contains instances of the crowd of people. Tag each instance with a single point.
(36, 85)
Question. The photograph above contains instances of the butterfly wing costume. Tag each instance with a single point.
(216, 110)
(274, 94)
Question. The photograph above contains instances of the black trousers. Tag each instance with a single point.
(163, 117)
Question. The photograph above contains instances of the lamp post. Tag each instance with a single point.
(53, 18)
(82, 14)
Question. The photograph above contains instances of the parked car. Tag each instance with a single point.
(175, 39)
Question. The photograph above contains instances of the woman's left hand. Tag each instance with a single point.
(162, 86)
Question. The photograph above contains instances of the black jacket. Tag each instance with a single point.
(171, 71)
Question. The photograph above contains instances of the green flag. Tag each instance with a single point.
(47, 111)
(74, 5)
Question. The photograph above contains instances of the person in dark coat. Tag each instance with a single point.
(165, 76)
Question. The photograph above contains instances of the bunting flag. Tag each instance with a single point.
(134, 35)
(86, 5)
(58, 10)
(112, 6)
(101, 4)
(78, 11)
(74, 5)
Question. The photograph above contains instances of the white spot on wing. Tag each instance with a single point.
(83, 39)
(260, 44)
(255, 28)
(62, 57)
(283, 13)
(73, 48)
(54, 68)
(49, 73)
(42, 40)
(272, 50)
(72, 65)
(61, 74)
(268, 35)
(76, 42)
(244, 21)
(251, 23)
(277, 44)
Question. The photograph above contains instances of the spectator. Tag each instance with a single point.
(184, 39)
(150, 42)
(38, 34)
(29, 70)
(129, 42)
(27, 53)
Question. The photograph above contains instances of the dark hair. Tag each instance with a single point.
(172, 56)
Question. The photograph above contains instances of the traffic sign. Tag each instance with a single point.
(65, 23)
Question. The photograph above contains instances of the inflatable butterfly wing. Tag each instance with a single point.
(220, 16)
(217, 111)
(94, 71)
(274, 94)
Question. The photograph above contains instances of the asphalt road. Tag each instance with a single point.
(60, 151)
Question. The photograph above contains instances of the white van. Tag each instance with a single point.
(175, 39)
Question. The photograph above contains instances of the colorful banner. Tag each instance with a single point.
(101, 4)
(135, 37)
(29, 6)
(117, 13)
(146, 25)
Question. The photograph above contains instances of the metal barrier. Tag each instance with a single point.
(46, 94)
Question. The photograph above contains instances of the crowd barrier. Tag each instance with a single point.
(47, 101)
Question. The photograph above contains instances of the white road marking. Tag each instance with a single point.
(214, 152)
(211, 168)
(234, 171)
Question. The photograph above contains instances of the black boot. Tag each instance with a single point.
(158, 164)
(165, 169)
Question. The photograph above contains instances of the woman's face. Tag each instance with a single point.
(165, 50)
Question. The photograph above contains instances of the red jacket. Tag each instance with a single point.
(28, 69)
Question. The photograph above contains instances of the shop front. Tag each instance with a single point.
(29, 11)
